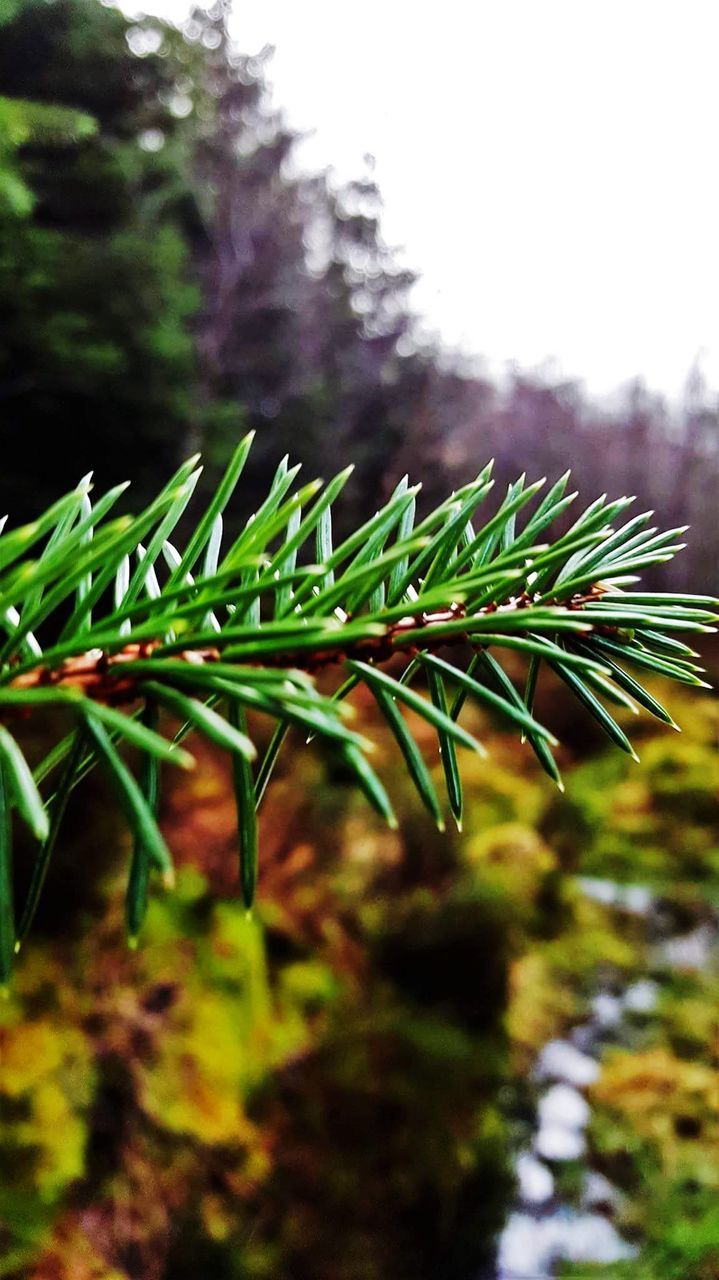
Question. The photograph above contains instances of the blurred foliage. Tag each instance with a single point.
(655, 823)
(330, 1091)
(655, 1107)
(22, 123)
(96, 354)
(654, 1131)
(176, 277)
(158, 290)
(196, 1088)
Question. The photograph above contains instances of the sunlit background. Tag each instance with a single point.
(413, 238)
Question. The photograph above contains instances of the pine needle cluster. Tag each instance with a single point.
(105, 617)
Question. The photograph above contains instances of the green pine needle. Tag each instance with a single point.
(110, 619)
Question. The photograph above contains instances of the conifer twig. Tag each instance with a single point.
(107, 618)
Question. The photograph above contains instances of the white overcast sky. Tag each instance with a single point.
(548, 166)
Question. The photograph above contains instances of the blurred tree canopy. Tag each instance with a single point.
(169, 277)
(156, 288)
(96, 354)
(22, 122)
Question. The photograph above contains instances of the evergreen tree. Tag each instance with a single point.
(304, 303)
(96, 300)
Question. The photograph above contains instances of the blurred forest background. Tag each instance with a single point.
(344, 1093)
(168, 278)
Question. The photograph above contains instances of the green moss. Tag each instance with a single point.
(654, 822)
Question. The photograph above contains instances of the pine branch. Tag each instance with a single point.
(107, 618)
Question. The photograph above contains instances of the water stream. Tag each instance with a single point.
(545, 1227)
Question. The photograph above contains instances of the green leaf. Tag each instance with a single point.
(59, 534)
(317, 636)
(509, 531)
(508, 708)
(497, 675)
(611, 691)
(595, 708)
(543, 647)
(255, 533)
(616, 541)
(639, 657)
(599, 513)
(160, 536)
(676, 649)
(666, 599)
(203, 530)
(84, 585)
(192, 600)
(436, 552)
(639, 693)
(212, 725)
(285, 564)
(54, 757)
(379, 679)
(478, 552)
(343, 692)
(18, 543)
(269, 760)
(529, 619)
(60, 555)
(138, 813)
(22, 785)
(445, 543)
(138, 882)
(118, 535)
(404, 533)
(545, 561)
(382, 523)
(310, 522)
(447, 750)
(552, 506)
(310, 714)
(418, 771)
(246, 811)
(530, 688)
(142, 735)
(677, 618)
(323, 544)
(57, 807)
(125, 537)
(370, 784)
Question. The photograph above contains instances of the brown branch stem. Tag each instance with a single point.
(104, 678)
